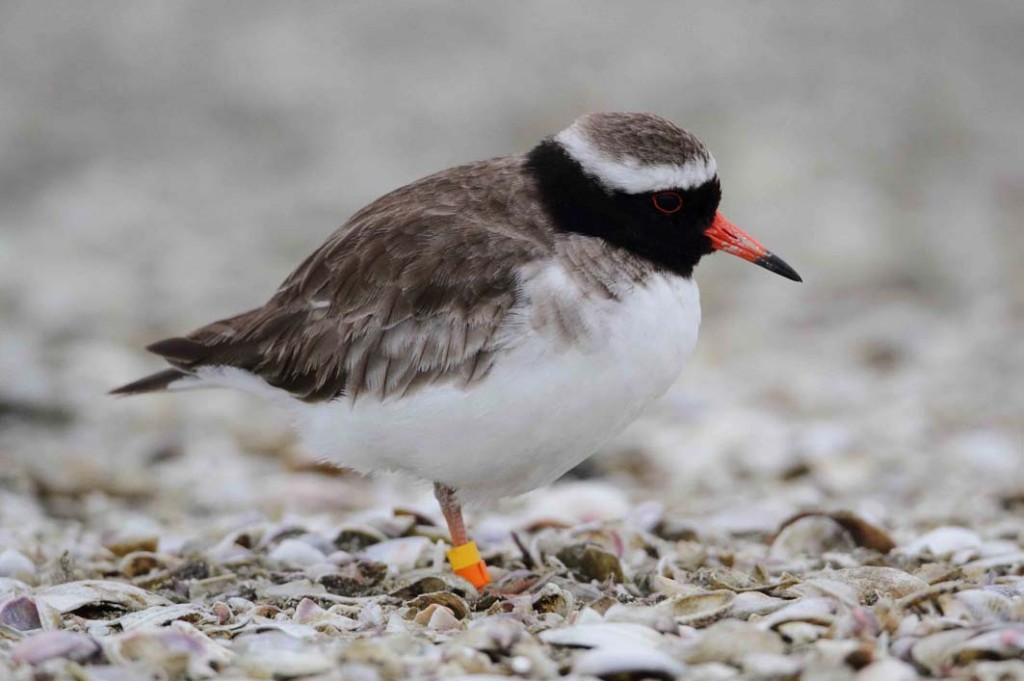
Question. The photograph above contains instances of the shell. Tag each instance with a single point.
(1003, 643)
(160, 615)
(356, 538)
(438, 618)
(627, 662)
(817, 611)
(13, 587)
(750, 603)
(809, 536)
(652, 617)
(47, 645)
(860, 531)
(71, 596)
(590, 563)
(400, 555)
(602, 635)
(279, 656)
(20, 613)
(699, 609)
(493, 635)
(296, 554)
(770, 665)
(730, 642)
(887, 670)
(553, 599)
(449, 600)
(942, 542)
(179, 648)
(418, 582)
(355, 578)
(864, 585)
(983, 606)
(138, 563)
(17, 565)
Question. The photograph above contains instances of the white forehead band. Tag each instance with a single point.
(628, 174)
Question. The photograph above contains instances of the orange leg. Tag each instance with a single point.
(464, 557)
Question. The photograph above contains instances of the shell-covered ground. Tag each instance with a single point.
(586, 584)
(834, 489)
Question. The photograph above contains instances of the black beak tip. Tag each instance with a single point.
(774, 263)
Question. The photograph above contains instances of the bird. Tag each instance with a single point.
(490, 326)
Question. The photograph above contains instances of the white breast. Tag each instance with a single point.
(548, 403)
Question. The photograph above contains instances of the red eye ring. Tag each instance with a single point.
(673, 202)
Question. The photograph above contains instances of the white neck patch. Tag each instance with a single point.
(628, 174)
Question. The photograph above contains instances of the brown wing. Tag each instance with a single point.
(412, 290)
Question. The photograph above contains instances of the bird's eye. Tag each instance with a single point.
(667, 202)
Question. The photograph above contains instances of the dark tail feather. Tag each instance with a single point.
(152, 383)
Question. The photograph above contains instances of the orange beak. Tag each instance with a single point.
(729, 238)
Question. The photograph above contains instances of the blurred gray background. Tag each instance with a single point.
(166, 164)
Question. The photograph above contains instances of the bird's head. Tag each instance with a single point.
(642, 183)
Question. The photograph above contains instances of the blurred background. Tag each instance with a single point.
(167, 164)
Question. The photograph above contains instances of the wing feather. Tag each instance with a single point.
(412, 291)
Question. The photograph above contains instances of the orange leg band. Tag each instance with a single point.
(466, 563)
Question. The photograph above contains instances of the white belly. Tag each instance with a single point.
(545, 406)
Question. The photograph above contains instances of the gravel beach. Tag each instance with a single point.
(834, 489)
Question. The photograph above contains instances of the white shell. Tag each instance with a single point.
(602, 635)
(943, 541)
(626, 660)
(16, 564)
(820, 611)
(50, 644)
(71, 596)
(160, 615)
(295, 553)
(887, 670)
(398, 554)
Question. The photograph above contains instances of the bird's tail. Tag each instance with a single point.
(161, 380)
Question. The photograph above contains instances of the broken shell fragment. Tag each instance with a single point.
(20, 613)
(698, 610)
(47, 645)
(456, 605)
(438, 618)
(71, 596)
(809, 536)
(591, 563)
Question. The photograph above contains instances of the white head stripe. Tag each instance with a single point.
(628, 174)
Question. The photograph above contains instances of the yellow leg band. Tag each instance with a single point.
(466, 563)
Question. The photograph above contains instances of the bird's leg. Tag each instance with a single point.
(464, 557)
(452, 510)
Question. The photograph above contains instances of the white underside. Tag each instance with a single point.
(546, 405)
